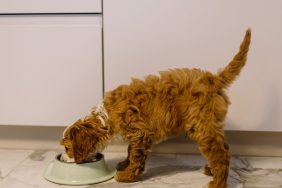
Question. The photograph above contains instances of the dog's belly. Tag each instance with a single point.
(164, 122)
(160, 140)
(163, 131)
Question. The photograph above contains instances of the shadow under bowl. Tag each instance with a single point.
(79, 174)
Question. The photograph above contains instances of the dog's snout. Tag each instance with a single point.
(64, 157)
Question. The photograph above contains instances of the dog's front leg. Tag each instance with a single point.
(124, 164)
(140, 145)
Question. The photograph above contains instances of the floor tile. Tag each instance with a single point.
(24, 169)
(29, 173)
(10, 159)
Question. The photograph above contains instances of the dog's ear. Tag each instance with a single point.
(83, 142)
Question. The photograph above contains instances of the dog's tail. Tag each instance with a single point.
(232, 70)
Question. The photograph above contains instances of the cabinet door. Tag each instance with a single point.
(50, 68)
(50, 6)
(145, 36)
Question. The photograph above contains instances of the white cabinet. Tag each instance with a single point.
(50, 68)
(145, 36)
(50, 6)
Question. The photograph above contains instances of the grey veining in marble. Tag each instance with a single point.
(166, 171)
(1, 177)
(37, 155)
(251, 176)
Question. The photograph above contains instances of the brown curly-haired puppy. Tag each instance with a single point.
(189, 101)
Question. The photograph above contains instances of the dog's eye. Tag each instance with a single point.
(66, 149)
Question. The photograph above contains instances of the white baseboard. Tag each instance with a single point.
(241, 142)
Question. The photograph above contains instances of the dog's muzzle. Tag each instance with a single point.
(64, 157)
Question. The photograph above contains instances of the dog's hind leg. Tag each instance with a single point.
(212, 145)
(207, 170)
(140, 144)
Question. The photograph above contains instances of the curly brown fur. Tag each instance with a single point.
(189, 101)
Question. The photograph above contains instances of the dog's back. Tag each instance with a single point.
(178, 96)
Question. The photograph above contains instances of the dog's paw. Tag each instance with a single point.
(126, 176)
(214, 184)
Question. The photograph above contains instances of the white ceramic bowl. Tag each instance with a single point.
(79, 174)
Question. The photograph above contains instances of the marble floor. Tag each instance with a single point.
(24, 169)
